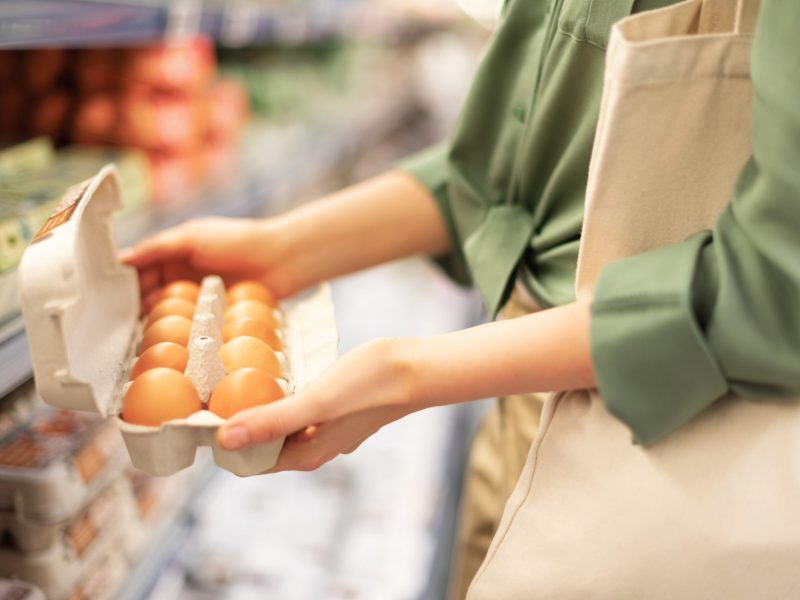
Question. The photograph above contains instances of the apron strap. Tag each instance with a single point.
(747, 15)
(727, 16)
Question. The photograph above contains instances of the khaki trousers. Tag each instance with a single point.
(496, 459)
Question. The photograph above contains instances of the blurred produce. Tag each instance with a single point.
(163, 99)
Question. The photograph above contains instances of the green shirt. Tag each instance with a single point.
(674, 329)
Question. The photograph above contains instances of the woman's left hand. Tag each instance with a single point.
(363, 391)
(392, 377)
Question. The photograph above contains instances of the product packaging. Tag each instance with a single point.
(19, 590)
(58, 570)
(51, 466)
(81, 310)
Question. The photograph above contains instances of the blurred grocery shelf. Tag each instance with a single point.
(85, 23)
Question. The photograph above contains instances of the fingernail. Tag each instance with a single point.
(234, 437)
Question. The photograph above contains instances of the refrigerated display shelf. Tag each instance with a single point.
(15, 362)
(83, 23)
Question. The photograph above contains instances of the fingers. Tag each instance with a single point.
(171, 244)
(311, 448)
(267, 423)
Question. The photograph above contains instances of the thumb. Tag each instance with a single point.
(264, 424)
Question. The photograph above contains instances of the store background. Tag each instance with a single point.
(336, 91)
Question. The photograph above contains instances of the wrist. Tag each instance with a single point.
(407, 370)
(278, 246)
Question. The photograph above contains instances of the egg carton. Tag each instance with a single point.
(59, 569)
(50, 468)
(102, 579)
(11, 589)
(81, 310)
(29, 537)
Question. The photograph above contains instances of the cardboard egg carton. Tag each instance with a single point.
(81, 310)
(61, 567)
(29, 537)
(50, 468)
(12, 589)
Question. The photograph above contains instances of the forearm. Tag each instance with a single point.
(388, 217)
(545, 351)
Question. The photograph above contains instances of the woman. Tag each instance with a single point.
(501, 205)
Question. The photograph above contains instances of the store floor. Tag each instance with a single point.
(371, 525)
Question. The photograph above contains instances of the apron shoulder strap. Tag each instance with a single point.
(726, 16)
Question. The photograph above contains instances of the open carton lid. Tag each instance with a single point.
(80, 305)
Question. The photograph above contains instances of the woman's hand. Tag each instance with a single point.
(390, 378)
(235, 249)
(368, 388)
(387, 217)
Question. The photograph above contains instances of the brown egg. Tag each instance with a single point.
(160, 395)
(251, 290)
(243, 389)
(253, 309)
(183, 288)
(254, 328)
(171, 306)
(166, 354)
(173, 329)
(247, 351)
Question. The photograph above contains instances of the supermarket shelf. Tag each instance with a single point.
(82, 23)
(15, 363)
(169, 535)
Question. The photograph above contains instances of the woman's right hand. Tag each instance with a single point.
(384, 218)
(235, 249)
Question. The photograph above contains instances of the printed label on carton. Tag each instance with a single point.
(63, 211)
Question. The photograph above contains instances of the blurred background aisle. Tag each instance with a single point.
(242, 108)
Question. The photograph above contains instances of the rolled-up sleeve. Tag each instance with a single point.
(676, 328)
(429, 167)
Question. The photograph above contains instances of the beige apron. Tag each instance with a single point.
(712, 510)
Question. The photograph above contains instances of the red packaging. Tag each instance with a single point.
(186, 66)
(7, 63)
(42, 68)
(12, 106)
(228, 110)
(153, 122)
(95, 121)
(49, 115)
(98, 69)
(161, 122)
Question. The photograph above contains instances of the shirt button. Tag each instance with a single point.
(519, 113)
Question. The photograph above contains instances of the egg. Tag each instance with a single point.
(171, 306)
(173, 329)
(165, 354)
(254, 328)
(250, 290)
(182, 288)
(253, 309)
(243, 389)
(247, 351)
(160, 395)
